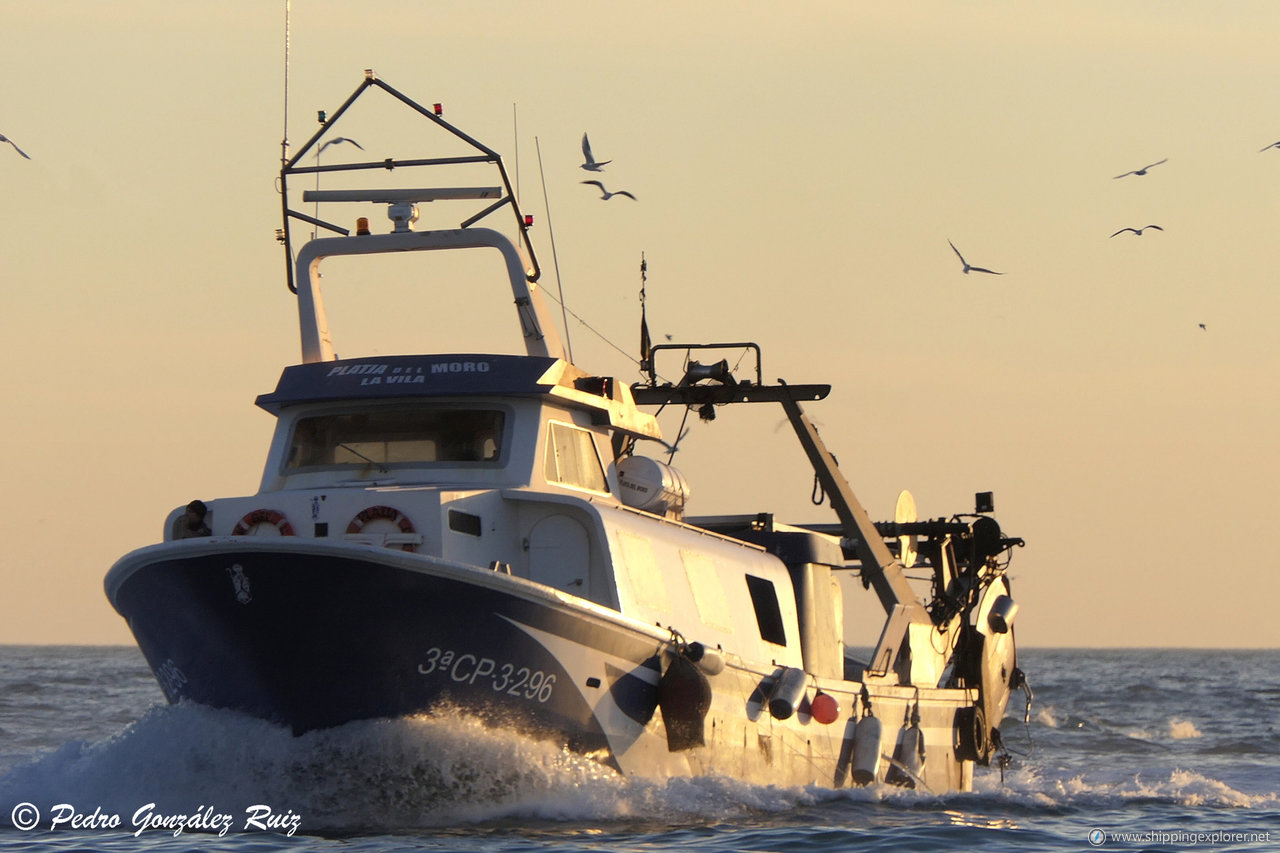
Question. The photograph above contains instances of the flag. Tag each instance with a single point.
(646, 345)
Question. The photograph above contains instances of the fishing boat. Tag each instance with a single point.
(500, 536)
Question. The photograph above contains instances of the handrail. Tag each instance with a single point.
(541, 337)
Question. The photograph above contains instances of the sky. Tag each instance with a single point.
(799, 170)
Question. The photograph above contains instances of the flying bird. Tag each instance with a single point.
(337, 140)
(1272, 145)
(591, 165)
(4, 138)
(1203, 327)
(1138, 231)
(608, 195)
(1143, 170)
(967, 266)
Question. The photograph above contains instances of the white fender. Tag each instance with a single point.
(908, 758)
(710, 661)
(866, 751)
(787, 693)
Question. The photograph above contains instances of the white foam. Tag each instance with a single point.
(385, 774)
(1181, 729)
(1031, 785)
(422, 772)
(1046, 717)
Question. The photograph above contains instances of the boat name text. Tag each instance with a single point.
(385, 374)
(461, 367)
(466, 668)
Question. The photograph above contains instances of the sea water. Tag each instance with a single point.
(1123, 750)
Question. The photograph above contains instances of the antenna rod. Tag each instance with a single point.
(284, 143)
(555, 259)
(283, 234)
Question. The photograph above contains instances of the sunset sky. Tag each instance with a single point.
(799, 170)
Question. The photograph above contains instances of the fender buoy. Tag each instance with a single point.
(684, 695)
(1000, 617)
(710, 661)
(824, 708)
(866, 750)
(908, 758)
(260, 522)
(383, 513)
(787, 693)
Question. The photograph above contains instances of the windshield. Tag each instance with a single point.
(396, 437)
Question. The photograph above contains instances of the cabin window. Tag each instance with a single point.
(572, 459)
(396, 437)
(764, 598)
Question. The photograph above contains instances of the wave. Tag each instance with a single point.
(1047, 717)
(1174, 787)
(412, 772)
(449, 770)
(1173, 729)
(1182, 729)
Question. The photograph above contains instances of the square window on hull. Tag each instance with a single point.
(764, 598)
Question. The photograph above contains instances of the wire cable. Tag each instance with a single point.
(555, 258)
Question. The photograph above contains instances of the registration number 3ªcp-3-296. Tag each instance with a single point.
(466, 668)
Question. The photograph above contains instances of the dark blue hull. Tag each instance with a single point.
(316, 637)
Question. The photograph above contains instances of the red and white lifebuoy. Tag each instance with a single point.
(397, 521)
(259, 521)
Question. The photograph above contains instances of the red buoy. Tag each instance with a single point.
(824, 708)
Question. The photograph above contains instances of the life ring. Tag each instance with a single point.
(250, 523)
(384, 513)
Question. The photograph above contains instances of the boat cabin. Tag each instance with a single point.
(508, 463)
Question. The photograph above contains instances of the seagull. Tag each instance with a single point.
(4, 138)
(608, 195)
(335, 141)
(1138, 231)
(967, 267)
(591, 165)
(1143, 170)
(1272, 145)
